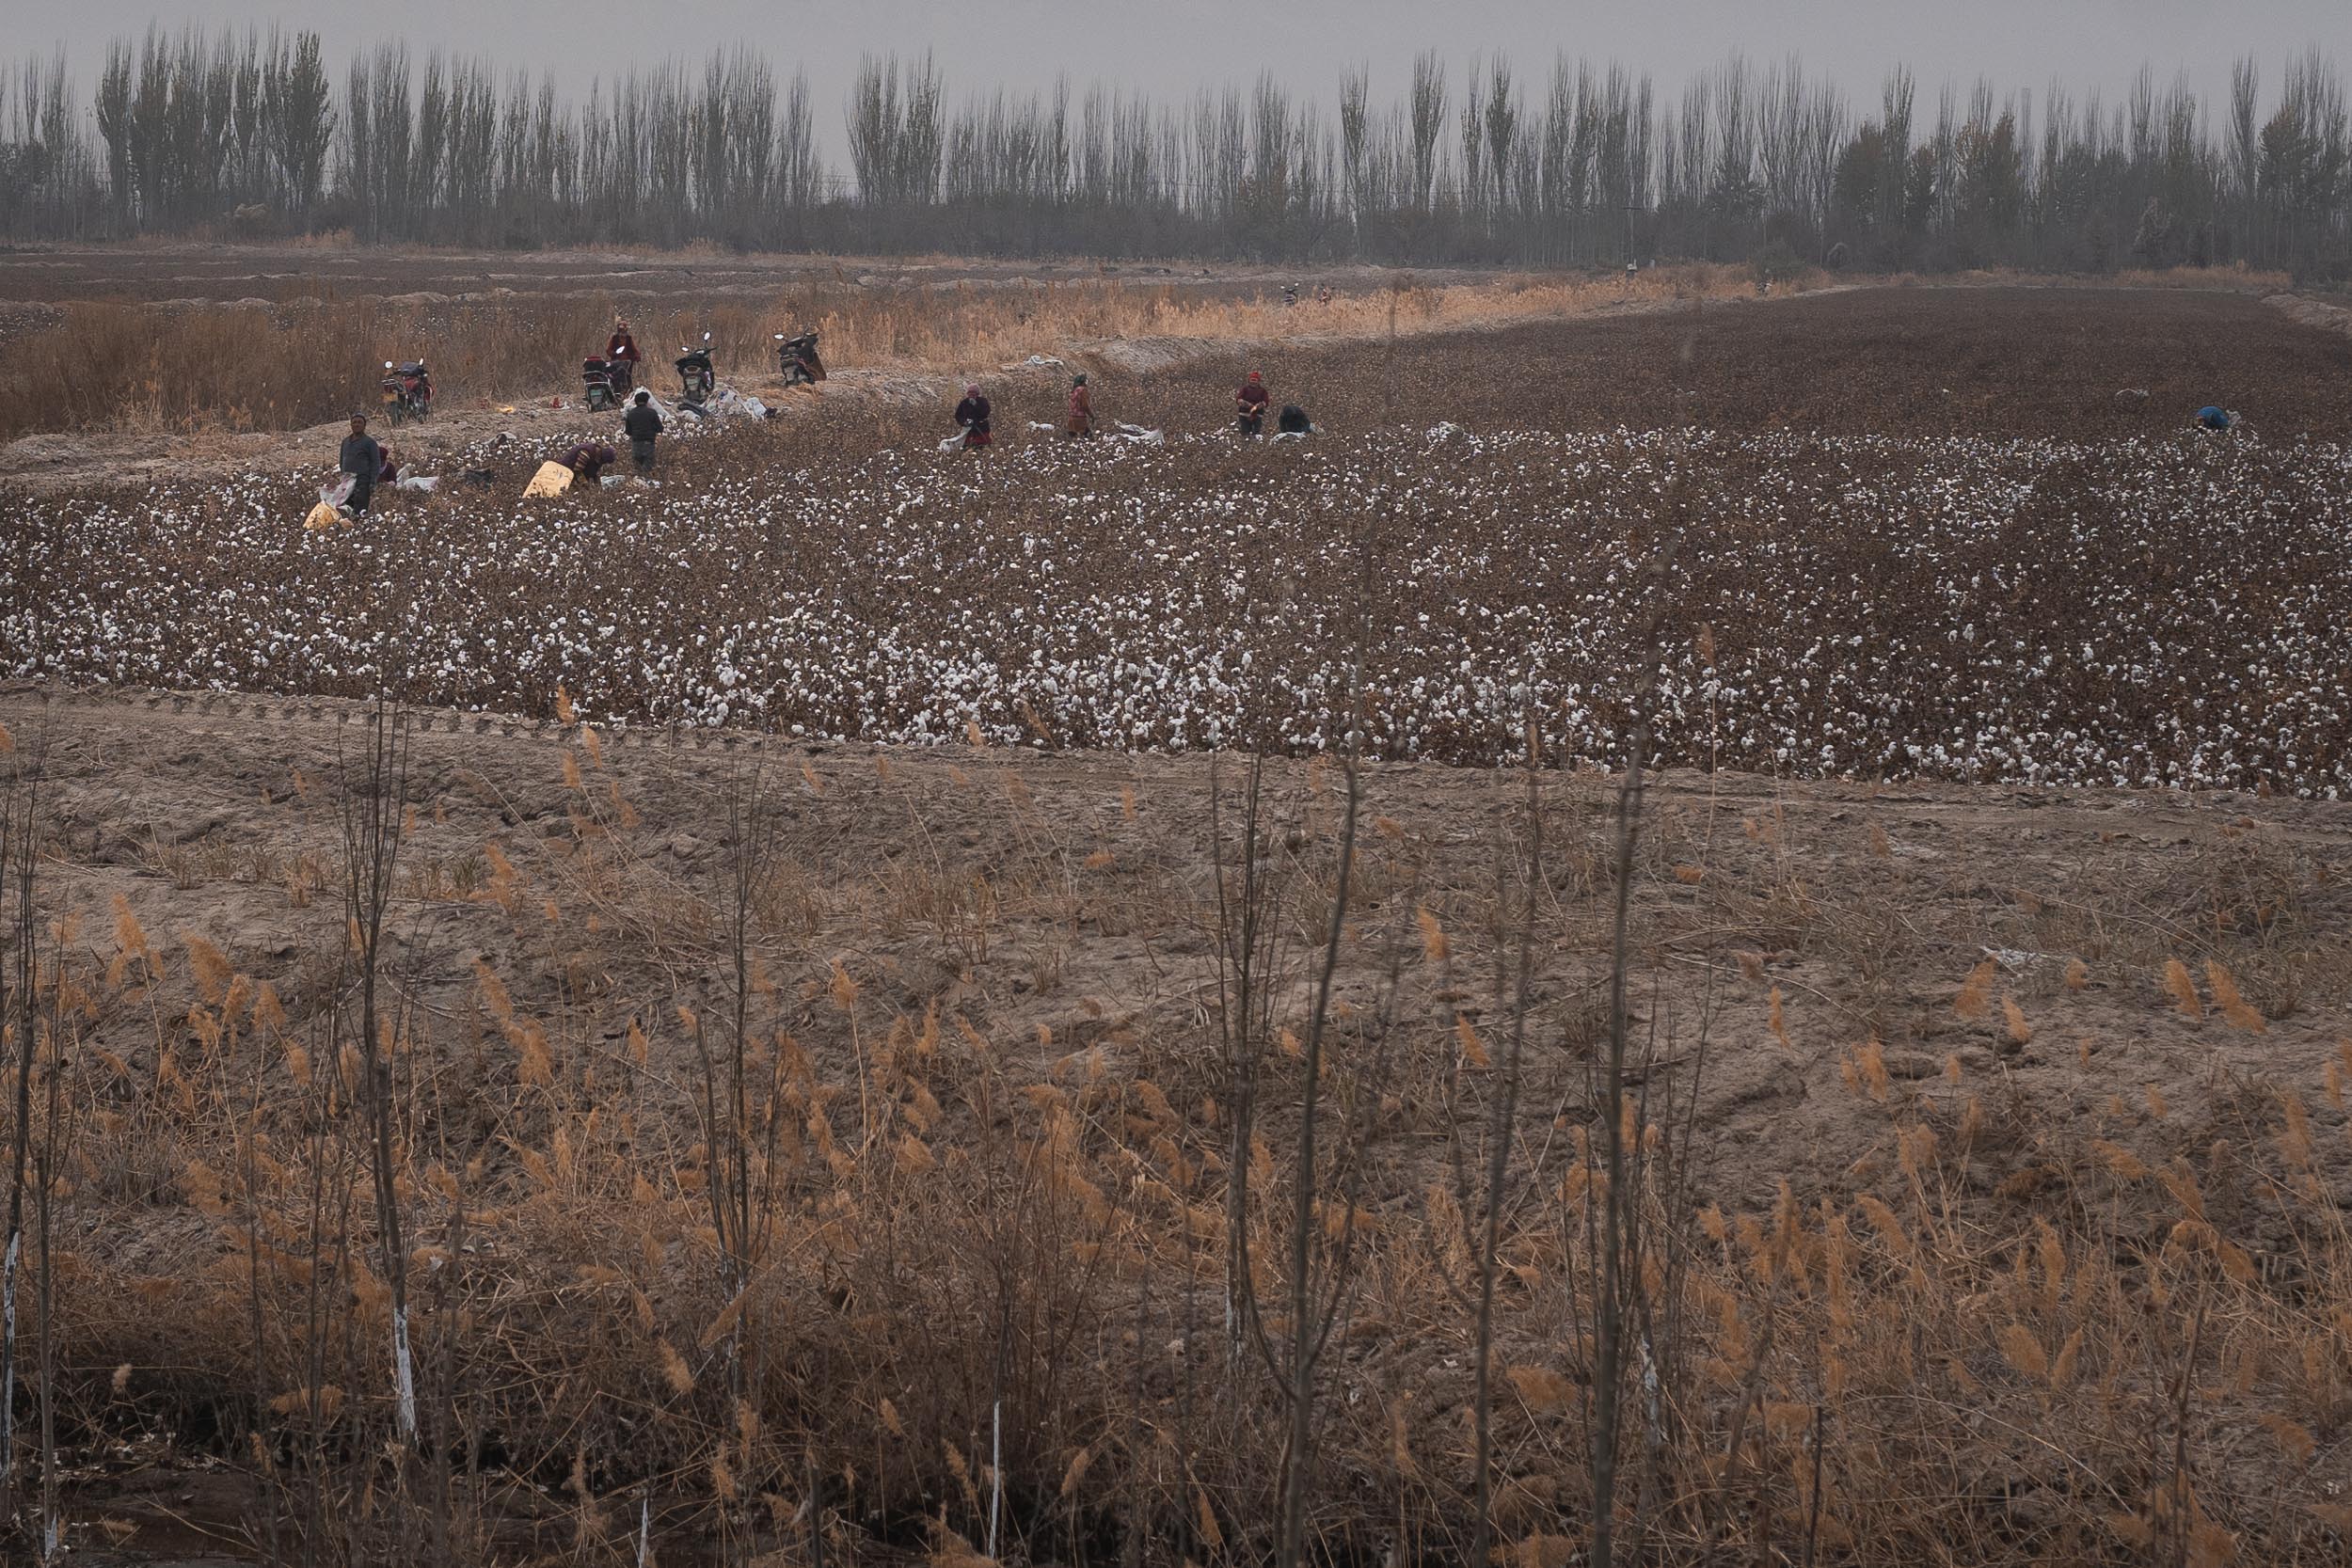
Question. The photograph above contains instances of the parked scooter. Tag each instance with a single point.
(797, 358)
(407, 392)
(696, 379)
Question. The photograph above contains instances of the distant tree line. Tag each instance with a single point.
(237, 131)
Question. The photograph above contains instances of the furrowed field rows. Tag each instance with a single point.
(2142, 611)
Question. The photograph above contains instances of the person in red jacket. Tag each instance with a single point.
(620, 357)
(1251, 401)
(1081, 424)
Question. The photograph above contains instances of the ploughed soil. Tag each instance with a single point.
(194, 273)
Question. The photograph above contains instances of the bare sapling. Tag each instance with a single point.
(374, 803)
(1247, 913)
(18, 803)
(1616, 1202)
(1620, 1206)
(1306, 1342)
(1501, 1124)
(739, 1097)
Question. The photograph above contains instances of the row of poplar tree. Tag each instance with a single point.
(237, 133)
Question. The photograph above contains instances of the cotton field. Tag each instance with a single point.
(2167, 610)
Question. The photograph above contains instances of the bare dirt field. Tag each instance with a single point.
(228, 273)
(803, 1036)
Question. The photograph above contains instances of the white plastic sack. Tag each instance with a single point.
(951, 443)
(1036, 362)
(338, 492)
(422, 484)
(1040, 424)
(756, 408)
(1137, 436)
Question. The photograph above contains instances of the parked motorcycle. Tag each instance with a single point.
(797, 358)
(407, 390)
(696, 379)
(595, 384)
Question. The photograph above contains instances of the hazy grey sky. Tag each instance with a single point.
(1176, 45)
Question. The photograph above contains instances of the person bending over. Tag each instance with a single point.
(972, 419)
(589, 460)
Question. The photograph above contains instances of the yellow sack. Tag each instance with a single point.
(323, 518)
(553, 479)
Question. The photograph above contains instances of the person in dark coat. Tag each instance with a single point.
(1293, 421)
(363, 460)
(1250, 403)
(972, 419)
(642, 423)
(589, 460)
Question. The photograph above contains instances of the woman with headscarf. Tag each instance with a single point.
(1250, 402)
(1081, 423)
(972, 419)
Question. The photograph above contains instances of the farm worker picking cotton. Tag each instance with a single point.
(1081, 422)
(589, 459)
(2215, 417)
(363, 460)
(1250, 403)
(972, 419)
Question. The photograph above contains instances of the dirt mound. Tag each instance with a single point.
(2313, 312)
